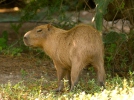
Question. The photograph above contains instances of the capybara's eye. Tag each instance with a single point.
(39, 30)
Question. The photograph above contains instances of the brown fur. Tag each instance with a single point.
(71, 50)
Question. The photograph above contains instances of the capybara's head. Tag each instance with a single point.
(37, 36)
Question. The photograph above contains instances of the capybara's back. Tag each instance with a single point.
(71, 50)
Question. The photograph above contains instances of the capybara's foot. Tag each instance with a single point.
(57, 90)
(103, 85)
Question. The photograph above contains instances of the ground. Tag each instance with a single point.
(19, 68)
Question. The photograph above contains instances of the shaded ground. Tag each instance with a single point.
(19, 68)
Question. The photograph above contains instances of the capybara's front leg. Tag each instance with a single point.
(68, 77)
(60, 74)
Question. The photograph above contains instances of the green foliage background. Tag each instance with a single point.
(101, 10)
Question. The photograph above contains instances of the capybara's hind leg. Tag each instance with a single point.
(99, 67)
(101, 76)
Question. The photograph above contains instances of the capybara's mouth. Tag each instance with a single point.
(27, 43)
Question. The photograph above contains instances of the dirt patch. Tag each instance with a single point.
(24, 68)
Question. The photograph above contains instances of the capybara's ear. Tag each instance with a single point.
(49, 27)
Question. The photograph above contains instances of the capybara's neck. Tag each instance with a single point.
(58, 31)
(51, 43)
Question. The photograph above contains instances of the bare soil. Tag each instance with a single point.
(24, 68)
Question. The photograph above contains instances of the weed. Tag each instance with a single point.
(116, 88)
(13, 51)
(23, 73)
(3, 40)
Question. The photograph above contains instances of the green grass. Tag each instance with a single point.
(117, 88)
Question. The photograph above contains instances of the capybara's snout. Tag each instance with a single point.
(26, 40)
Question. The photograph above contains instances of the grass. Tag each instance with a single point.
(117, 88)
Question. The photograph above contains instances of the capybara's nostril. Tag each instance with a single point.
(25, 38)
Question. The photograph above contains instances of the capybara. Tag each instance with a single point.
(71, 50)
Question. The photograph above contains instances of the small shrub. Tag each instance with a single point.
(3, 40)
(117, 53)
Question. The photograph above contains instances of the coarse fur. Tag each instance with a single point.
(71, 50)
